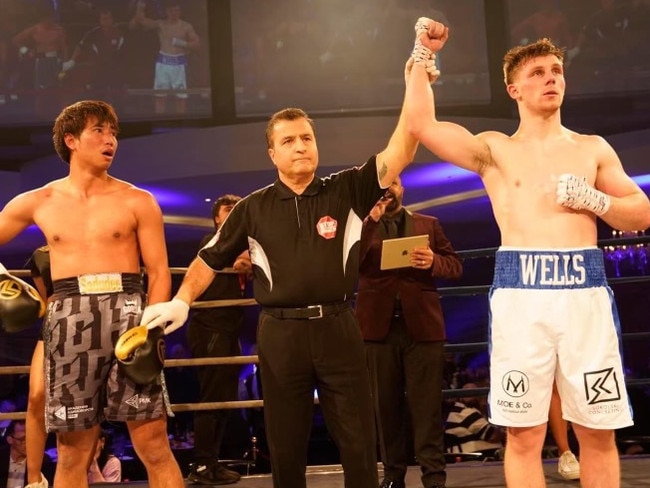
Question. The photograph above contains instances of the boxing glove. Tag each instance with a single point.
(140, 354)
(20, 303)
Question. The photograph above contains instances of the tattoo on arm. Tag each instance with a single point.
(382, 171)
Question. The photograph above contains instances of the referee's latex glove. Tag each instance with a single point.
(168, 315)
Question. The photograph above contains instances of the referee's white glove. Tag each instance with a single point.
(168, 315)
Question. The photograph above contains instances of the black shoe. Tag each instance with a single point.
(216, 474)
(220, 471)
(386, 483)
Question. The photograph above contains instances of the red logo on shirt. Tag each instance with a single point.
(326, 227)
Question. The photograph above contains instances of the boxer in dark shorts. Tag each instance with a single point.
(84, 386)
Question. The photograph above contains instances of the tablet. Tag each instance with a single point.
(395, 252)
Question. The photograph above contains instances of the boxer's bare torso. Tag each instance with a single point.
(90, 233)
(521, 182)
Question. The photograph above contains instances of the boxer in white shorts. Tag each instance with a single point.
(544, 305)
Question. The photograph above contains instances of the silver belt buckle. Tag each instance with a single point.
(320, 311)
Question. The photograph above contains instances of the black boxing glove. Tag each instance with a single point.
(20, 303)
(140, 354)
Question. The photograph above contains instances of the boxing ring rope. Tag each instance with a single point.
(444, 291)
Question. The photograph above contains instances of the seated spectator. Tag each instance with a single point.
(469, 425)
(105, 466)
(13, 458)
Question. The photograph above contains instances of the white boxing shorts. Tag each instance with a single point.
(170, 73)
(553, 316)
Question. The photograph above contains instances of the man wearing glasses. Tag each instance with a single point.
(13, 458)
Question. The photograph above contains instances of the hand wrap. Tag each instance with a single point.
(574, 192)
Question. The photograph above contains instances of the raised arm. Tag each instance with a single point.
(451, 142)
(402, 144)
(139, 18)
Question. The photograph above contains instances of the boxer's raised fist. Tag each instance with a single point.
(431, 34)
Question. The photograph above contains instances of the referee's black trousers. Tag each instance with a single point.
(297, 356)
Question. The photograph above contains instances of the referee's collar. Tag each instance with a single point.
(285, 192)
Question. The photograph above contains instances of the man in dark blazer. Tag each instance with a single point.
(401, 320)
(13, 458)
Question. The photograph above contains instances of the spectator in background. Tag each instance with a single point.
(568, 466)
(214, 332)
(13, 458)
(177, 38)
(105, 466)
(468, 424)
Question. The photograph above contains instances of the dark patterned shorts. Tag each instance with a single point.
(83, 383)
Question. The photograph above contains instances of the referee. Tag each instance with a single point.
(303, 235)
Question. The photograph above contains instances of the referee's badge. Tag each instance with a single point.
(326, 227)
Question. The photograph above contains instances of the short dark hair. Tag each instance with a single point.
(11, 428)
(286, 114)
(227, 199)
(518, 55)
(73, 120)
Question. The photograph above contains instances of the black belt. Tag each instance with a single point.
(308, 312)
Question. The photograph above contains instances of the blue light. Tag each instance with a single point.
(168, 198)
(435, 173)
(642, 180)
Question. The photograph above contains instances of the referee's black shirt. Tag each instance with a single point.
(304, 248)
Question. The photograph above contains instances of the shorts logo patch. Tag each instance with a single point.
(515, 383)
(130, 307)
(326, 227)
(136, 400)
(60, 413)
(602, 386)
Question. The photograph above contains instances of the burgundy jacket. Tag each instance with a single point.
(417, 288)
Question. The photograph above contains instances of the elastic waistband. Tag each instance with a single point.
(549, 269)
(99, 284)
(171, 59)
(308, 312)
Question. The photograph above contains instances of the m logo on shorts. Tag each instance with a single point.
(602, 386)
(515, 383)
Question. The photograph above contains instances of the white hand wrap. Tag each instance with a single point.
(179, 42)
(169, 315)
(574, 192)
(41, 484)
(421, 54)
(67, 65)
(422, 26)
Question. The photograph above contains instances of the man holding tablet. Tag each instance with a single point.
(401, 321)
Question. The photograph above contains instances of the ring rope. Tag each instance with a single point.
(445, 291)
(254, 359)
